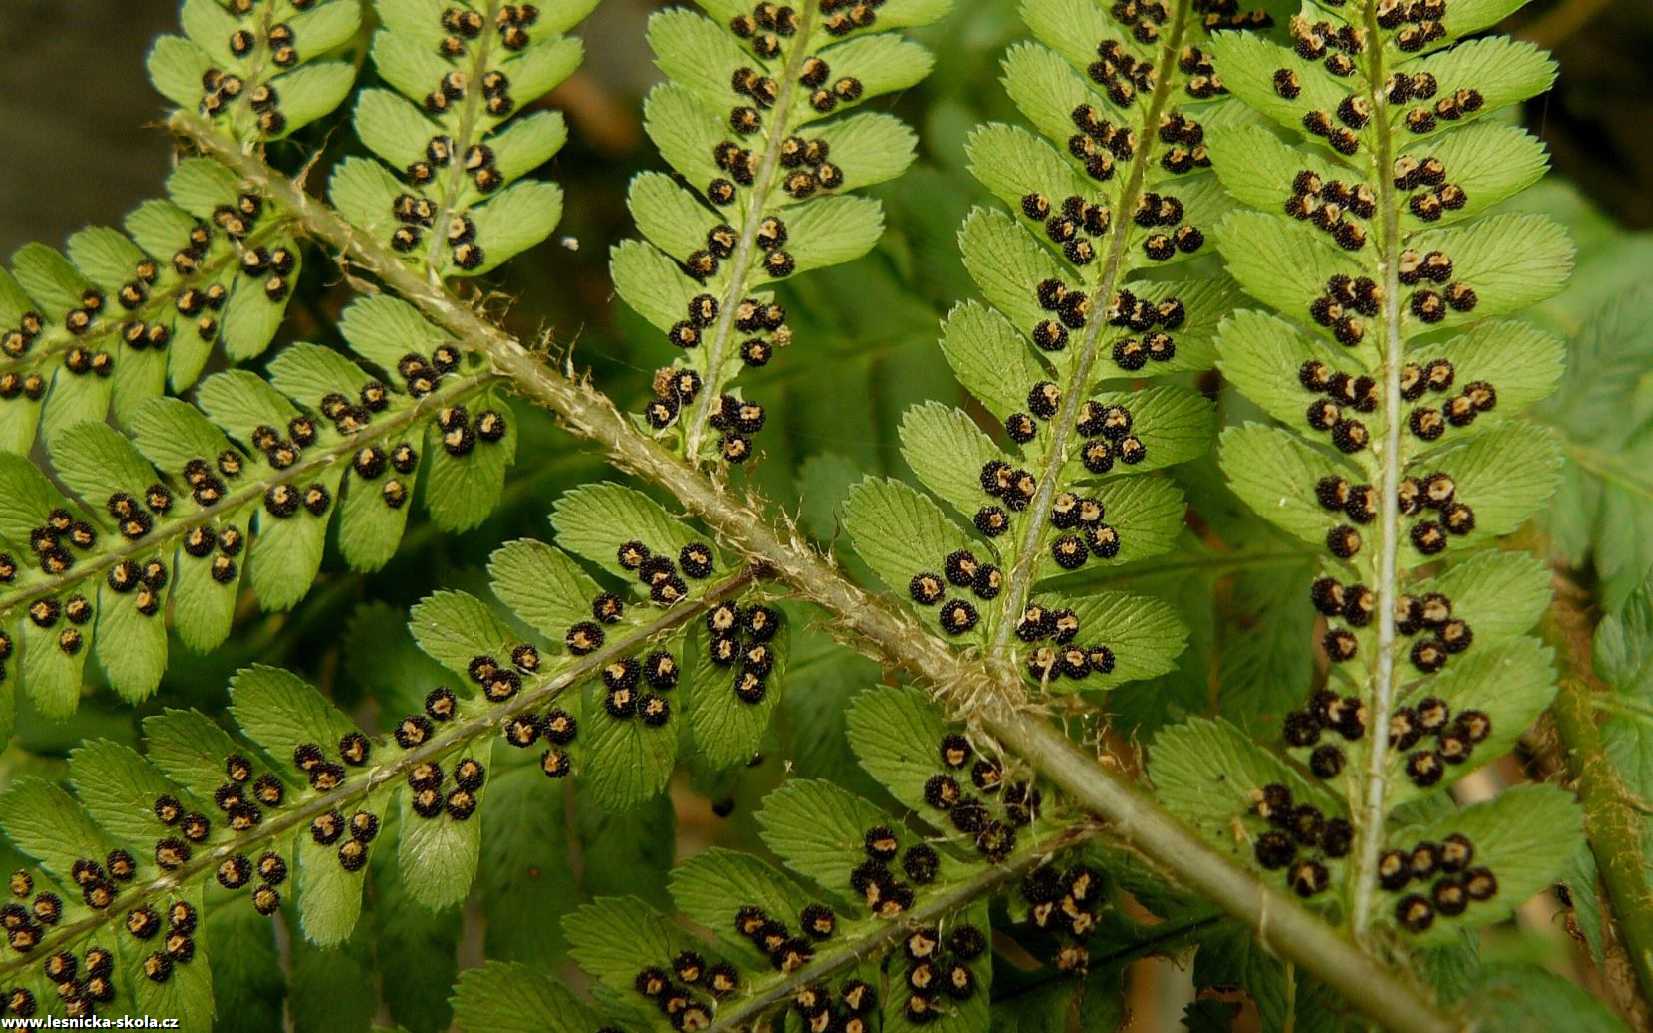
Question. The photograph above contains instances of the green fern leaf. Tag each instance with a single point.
(190, 749)
(1275, 474)
(450, 195)
(727, 729)
(1145, 635)
(818, 830)
(1501, 594)
(607, 938)
(244, 485)
(896, 734)
(595, 521)
(985, 350)
(455, 627)
(280, 713)
(629, 762)
(1109, 184)
(277, 827)
(542, 585)
(767, 188)
(514, 998)
(946, 450)
(1511, 682)
(1210, 774)
(1525, 835)
(1524, 362)
(766, 935)
(1597, 510)
(628, 746)
(901, 533)
(438, 859)
(1372, 238)
(126, 317)
(261, 75)
(703, 886)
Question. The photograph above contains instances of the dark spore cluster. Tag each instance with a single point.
(742, 639)
(1447, 869)
(1066, 903)
(938, 969)
(1447, 739)
(1121, 74)
(1333, 207)
(989, 820)
(1051, 634)
(1300, 839)
(1340, 307)
(1338, 395)
(1150, 324)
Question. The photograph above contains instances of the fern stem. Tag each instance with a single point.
(359, 787)
(1073, 393)
(883, 631)
(462, 143)
(169, 532)
(1380, 701)
(1611, 823)
(885, 935)
(57, 339)
(585, 411)
(740, 263)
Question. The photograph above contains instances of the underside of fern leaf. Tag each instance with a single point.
(937, 853)
(243, 484)
(877, 921)
(1121, 189)
(258, 464)
(126, 317)
(752, 118)
(584, 679)
(461, 131)
(1400, 451)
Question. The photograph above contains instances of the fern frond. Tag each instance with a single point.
(1128, 99)
(460, 131)
(1403, 450)
(751, 118)
(260, 70)
(303, 792)
(126, 317)
(862, 884)
(876, 625)
(247, 480)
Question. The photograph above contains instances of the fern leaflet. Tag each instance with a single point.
(751, 116)
(299, 790)
(460, 132)
(244, 483)
(1371, 246)
(126, 317)
(1062, 324)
